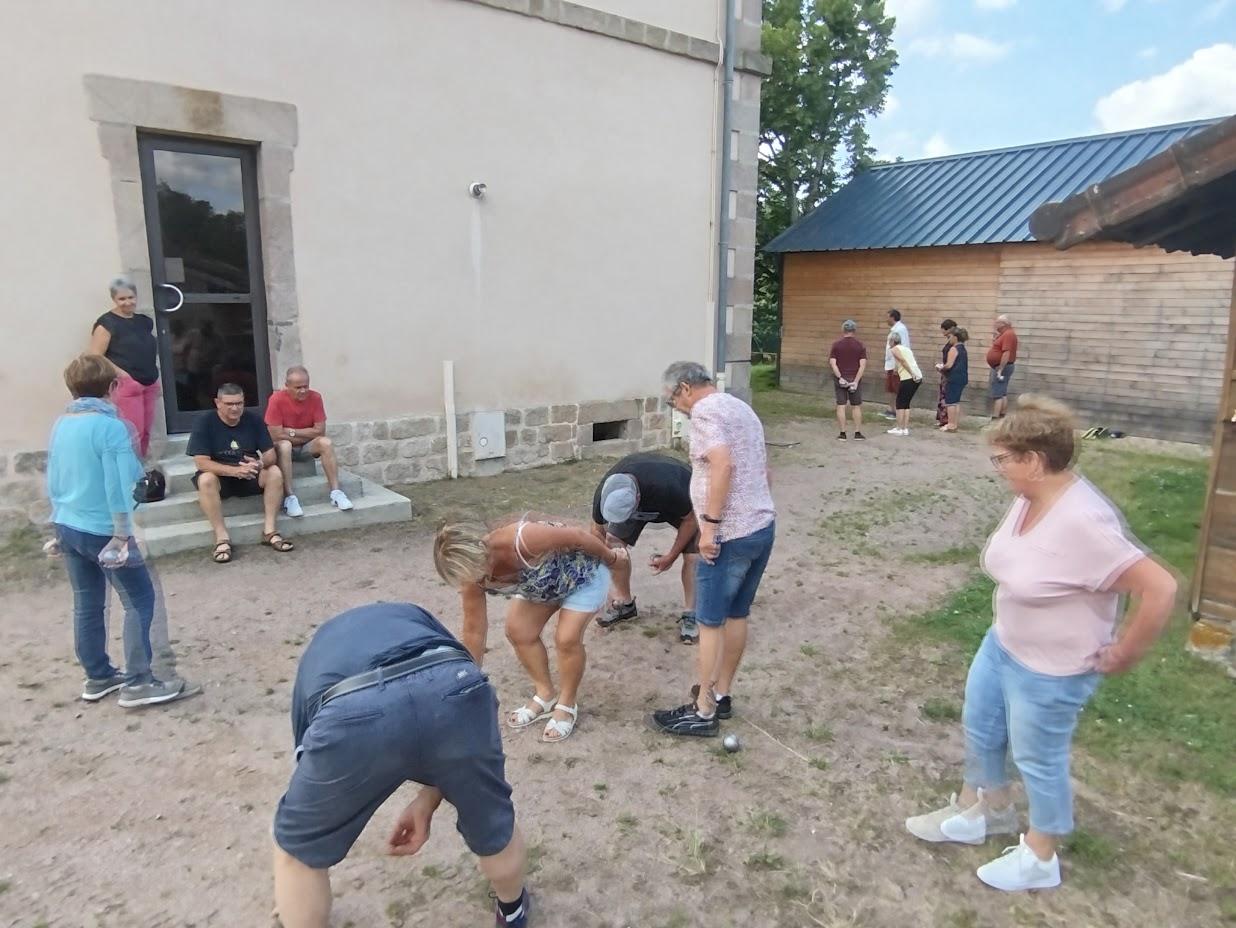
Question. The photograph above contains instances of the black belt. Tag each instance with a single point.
(430, 658)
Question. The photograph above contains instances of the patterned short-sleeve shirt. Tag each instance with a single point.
(723, 419)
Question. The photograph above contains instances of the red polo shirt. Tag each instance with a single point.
(285, 412)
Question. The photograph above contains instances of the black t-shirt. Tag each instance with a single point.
(229, 444)
(133, 348)
(664, 486)
(356, 641)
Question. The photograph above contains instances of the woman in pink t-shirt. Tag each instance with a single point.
(1061, 560)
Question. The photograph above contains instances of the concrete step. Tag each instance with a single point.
(179, 473)
(176, 445)
(375, 505)
(183, 507)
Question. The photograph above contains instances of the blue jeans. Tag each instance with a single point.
(726, 588)
(89, 581)
(1011, 708)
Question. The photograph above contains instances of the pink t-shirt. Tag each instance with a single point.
(722, 419)
(1054, 606)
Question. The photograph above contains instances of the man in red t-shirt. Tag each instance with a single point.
(1001, 357)
(297, 422)
(848, 360)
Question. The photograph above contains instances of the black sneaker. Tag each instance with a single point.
(617, 612)
(685, 720)
(841, 436)
(725, 705)
(859, 436)
(519, 919)
(889, 414)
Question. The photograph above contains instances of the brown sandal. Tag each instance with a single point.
(223, 557)
(281, 545)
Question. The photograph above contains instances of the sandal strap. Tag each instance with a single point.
(545, 704)
(572, 711)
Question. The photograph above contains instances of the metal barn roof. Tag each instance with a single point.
(977, 198)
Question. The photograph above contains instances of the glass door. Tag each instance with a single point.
(205, 261)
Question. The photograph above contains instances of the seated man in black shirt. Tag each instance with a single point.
(639, 489)
(235, 457)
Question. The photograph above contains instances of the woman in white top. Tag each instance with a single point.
(910, 377)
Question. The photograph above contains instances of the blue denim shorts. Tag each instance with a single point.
(1000, 388)
(726, 588)
(591, 596)
(437, 726)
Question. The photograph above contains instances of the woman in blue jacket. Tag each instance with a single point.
(91, 469)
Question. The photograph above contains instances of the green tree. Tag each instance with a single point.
(831, 64)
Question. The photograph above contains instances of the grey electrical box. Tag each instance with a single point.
(488, 435)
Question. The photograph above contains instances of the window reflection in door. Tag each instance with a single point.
(202, 218)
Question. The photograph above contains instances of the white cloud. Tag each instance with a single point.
(1202, 87)
(962, 47)
(994, 4)
(937, 147)
(1213, 10)
(911, 14)
(1113, 6)
(1147, 53)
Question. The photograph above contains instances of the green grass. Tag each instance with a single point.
(1172, 716)
(941, 710)
(765, 860)
(772, 403)
(963, 554)
(768, 824)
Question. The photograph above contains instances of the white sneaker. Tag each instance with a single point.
(894, 431)
(340, 499)
(1019, 868)
(291, 505)
(963, 826)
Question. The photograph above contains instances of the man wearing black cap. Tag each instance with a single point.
(386, 695)
(639, 489)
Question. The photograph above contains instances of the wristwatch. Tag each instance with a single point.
(710, 520)
(291, 433)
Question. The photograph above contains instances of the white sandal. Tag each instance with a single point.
(523, 716)
(561, 729)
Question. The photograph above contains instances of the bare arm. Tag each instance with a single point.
(1004, 359)
(832, 362)
(862, 369)
(302, 436)
(1154, 591)
(899, 361)
(686, 532)
(475, 621)
(100, 341)
(720, 475)
(207, 465)
(951, 360)
(539, 539)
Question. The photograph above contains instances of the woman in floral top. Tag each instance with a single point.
(546, 567)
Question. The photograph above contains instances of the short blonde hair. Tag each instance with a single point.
(1039, 425)
(460, 553)
(90, 375)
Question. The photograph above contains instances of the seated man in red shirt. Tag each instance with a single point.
(297, 422)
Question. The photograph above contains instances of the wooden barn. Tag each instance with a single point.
(1182, 200)
(1134, 338)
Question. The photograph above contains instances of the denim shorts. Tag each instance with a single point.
(591, 596)
(1000, 388)
(437, 727)
(726, 588)
(953, 391)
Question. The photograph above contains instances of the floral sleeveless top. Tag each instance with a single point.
(556, 577)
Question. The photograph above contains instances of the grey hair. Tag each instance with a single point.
(116, 284)
(894, 338)
(295, 369)
(692, 373)
(230, 389)
(849, 326)
(1003, 318)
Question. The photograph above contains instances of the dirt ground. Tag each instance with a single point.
(161, 817)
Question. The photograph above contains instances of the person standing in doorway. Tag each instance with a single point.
(126, 338)
(296, 418)
(848, 360)
(892, 383)
(731, 491)
(1001, 357)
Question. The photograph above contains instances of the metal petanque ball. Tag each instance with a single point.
(731, 744)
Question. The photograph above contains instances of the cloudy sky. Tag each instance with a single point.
(979, 74)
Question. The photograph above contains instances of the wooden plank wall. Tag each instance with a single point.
(1133, 338)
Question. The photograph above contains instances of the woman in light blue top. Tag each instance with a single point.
(91, 469)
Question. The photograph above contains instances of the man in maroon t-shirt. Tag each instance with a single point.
(848, 360)
(297, 422)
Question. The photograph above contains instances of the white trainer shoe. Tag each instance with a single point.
(963, 826)
(291, 505)
(1019, 868)
(340, 500)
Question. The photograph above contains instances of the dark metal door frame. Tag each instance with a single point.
(164, 298)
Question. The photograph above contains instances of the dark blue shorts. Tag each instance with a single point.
(952, 393)
(438, 727)
(726, 588)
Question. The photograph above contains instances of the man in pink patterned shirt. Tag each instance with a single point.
(731, 493)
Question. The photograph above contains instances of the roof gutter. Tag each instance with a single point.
(720, 353)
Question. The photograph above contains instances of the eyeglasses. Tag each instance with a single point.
(998, 460)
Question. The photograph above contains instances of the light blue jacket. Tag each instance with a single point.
(91, 470)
